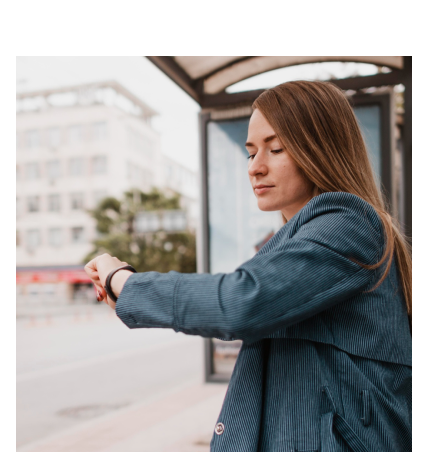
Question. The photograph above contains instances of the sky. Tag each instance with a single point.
(177, 122)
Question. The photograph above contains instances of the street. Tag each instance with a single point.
(81, 371)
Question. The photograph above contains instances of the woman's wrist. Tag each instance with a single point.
(119, 280)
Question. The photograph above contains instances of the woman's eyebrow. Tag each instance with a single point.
(266, 140)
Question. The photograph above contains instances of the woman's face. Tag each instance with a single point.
(277, 182)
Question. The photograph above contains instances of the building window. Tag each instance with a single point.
(33, 203)
(76, 167)
(33, 238)
(53, 169)
(54, 137)
(77, 235)
(55, 237)
(98, 196)
(100, 131)
(77, 201)
(75, 134)
(99, 165)
(32, 138)
(148, 221)
(32, 171)
(54, 202)
(139, 143)
(174, 220)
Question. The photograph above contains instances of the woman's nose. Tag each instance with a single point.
(257, 166)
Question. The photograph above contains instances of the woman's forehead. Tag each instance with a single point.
(259, 129)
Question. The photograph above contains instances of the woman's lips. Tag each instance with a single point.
(262, 189)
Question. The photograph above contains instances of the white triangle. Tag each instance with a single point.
(216, 26)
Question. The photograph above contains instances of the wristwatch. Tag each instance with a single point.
(107, 286)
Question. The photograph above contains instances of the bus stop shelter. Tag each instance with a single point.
(232, 229)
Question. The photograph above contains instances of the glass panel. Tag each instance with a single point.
(236, 225)
(54, 202)
(100, 131)
(309, 71)
(77, 235)
(369, 120)
(32, 139)
(53, 169)
(75, 134)
(77, 201)
(55, 237)
(33, 238)
(76, 166)
(54, 137)
(32, 171)
(237, 228)
(99, 165)
(33, 203)
(98, 196)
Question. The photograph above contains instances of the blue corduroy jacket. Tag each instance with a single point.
(325, 364)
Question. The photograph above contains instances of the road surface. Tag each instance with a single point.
(85, 382)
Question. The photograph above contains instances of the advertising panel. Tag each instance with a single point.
(235, 227)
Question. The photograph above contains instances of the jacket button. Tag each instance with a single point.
(219, 429)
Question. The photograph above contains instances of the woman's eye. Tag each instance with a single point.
(276, 151)
(251, 156)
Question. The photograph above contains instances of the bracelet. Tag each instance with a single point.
(107, 286)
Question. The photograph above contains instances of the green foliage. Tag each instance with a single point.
(160, 251)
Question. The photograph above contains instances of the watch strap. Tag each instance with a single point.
(107, 286)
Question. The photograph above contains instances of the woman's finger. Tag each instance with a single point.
(93, 275)
(91, 268)
(101, 294)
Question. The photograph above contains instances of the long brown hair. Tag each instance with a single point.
(317, 126)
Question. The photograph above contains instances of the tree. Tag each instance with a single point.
(158, 251)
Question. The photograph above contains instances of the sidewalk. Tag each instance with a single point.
(26, 311)
(178, 420)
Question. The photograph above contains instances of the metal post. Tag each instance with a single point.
(407, 137)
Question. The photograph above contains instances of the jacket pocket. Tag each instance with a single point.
(336, 433)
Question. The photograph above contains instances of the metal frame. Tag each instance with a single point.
(195, 88)
(204, 119)
(407, 146)
(224, 103)
(384, 101)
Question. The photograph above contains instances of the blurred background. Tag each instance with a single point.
(144, 158)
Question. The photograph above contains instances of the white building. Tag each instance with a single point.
(180, 179)
(75, 146)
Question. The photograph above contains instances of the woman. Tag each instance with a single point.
(323, 308)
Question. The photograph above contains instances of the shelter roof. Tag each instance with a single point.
(205, 79)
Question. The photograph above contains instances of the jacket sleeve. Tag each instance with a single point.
(304, 269)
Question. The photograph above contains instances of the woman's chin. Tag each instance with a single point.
(264, 206)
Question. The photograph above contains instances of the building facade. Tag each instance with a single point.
(179, 179)
(75, 146)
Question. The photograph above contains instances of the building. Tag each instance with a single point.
(75, 146)
(178, 178)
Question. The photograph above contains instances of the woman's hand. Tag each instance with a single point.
(98, 270)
